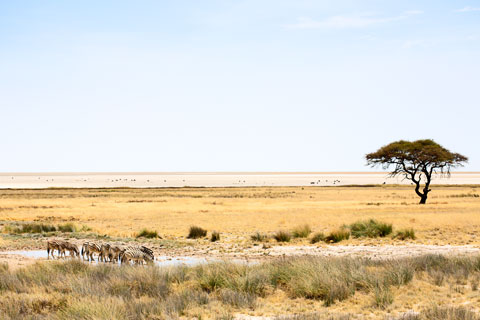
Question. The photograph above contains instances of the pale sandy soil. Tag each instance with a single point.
(229, 179)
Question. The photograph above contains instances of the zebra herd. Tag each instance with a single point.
(106, 252)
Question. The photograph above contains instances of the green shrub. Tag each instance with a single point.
(150, 234)
(29, 228)
(301, 231)
(282, 236)
(67, 227)
(215, 236)
(405, 234)
(317, 237)
(370, 229)
(337, 236)
(257, 236)
(196, 232)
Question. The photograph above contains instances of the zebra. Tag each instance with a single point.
(70, 247)
(105, 252)
(89, 248)
(52, 245)
(115, 251)
(136, 255)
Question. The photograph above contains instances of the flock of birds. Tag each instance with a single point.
(106, 252)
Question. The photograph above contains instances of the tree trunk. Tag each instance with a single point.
(423, 199)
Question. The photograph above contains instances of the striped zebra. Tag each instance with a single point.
(90, 248)
(70, 247)
(105, 252)
(54, 245)
(136, 255)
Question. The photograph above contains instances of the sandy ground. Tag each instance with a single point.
(150, 180)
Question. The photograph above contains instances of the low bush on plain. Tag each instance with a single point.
(196, 232)
(150, 234)
(282, 236)
(257, 236)
(337, 235)
(317, 237)
(370, 229)
(404, 234)
(301, 231)
(215, 236)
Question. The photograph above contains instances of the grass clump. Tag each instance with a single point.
(196, 232)
(67, 227)
(317, 237)
(405, 234)
(29, 228)
(215, 236)
(282, 236)
(370, 229)
(301, 231)
(337, 236)
(149, 234)
(257, 236)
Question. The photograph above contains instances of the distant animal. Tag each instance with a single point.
(53, 245)
(136, 255)
(90, 248)
(71, 248)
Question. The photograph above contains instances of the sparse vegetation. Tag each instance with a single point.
(337, 235)
(370, 229)
(317, 237)
(149, 234)
(259, 237)
(302, 231)
(196, 232)
(40, 228)
(282, 236)
(215, 236)
(151, 292)
(405, 234)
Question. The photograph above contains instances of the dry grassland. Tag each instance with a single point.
(451, 216)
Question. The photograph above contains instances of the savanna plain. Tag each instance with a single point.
(350, 252)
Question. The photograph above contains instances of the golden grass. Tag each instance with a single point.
(449, 217)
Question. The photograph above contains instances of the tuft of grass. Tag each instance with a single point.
(150, 234)
(337, 235)
(450, 313)
(301, 231)
(317, 237)
(405, 234)
(29, 228)
(282, 236)
(67, 227)
(370, 229)
(215, 236)
(257, 236)
(383, 297)
(196, 232)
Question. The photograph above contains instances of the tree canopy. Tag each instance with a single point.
(418, 161)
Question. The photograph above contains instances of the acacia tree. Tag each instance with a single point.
(417, 161)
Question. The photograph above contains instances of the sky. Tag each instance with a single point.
(234, 85)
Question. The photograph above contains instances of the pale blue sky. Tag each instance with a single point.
(233, 85)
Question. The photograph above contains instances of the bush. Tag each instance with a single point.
(337, 236)
(67, 227)
(30, 228)
(317, 237)
(196, 232)
(302, 231)
(405, 234)
(370, 229)
(150, 234)
(257, 236)
(215, 236)
(282, 236)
